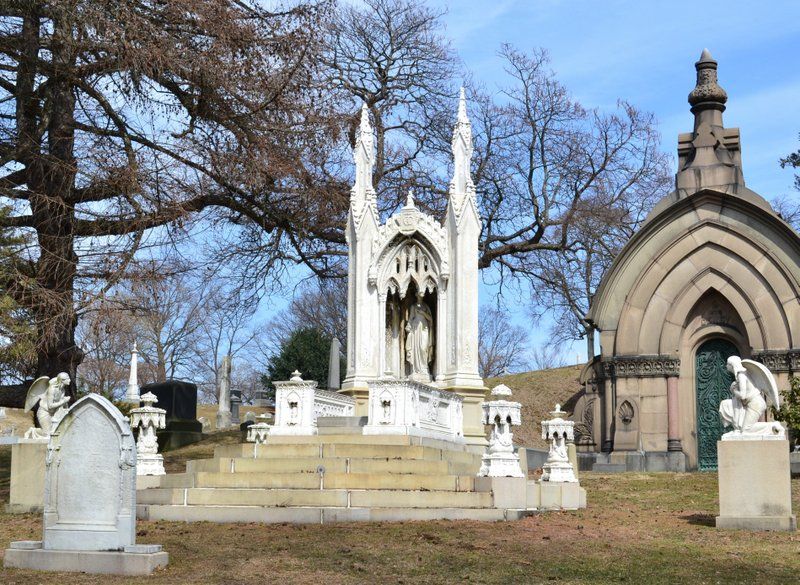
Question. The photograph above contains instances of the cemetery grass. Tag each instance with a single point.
(639, 528)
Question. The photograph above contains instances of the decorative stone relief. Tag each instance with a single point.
(780, 361)
(640, 367)
(500, 460)
(299, 402)
(406, 407)
(148, 419)
(626, 412)
(558, 432)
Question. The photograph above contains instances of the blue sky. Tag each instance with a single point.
(644, 52)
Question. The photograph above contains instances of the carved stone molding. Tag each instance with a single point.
(780, 361)
(640, 367)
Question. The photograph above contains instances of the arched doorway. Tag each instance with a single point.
(712, 383)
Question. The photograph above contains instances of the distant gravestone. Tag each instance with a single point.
(90, 498)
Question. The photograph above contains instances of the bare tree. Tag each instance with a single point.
(228, 328)
(106, 335)
(502, 346)
(547, 356)
(561, 187)
(118, 116)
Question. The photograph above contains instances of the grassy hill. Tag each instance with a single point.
(538, 392)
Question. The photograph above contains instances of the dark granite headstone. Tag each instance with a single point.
(179, 399)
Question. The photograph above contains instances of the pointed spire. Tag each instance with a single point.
(362, 195)
(462, 107)
(461, 186)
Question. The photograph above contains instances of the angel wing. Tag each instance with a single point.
(763, 379)
(35, 392)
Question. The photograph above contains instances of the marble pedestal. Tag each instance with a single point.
(755, 490)
(27, 476)
(137, 559)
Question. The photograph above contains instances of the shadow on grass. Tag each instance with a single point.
(700, 519)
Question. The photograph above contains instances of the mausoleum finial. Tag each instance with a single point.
(707, 92)
(410, 199)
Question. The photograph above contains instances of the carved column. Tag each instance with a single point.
(441, 330)
(673, 415)
(609, 389)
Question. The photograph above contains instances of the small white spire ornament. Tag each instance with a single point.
(148, 419)
(132, 394)
(558, 431)
(499, 460)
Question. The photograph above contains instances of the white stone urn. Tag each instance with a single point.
(148, 419)
(259, 432)
(558, 432)
(500, 460)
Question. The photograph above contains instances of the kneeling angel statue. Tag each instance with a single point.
(752, 390)
(49, 394)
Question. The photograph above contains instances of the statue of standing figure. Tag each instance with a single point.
(753, 387)
(49, 394)
(419, 340)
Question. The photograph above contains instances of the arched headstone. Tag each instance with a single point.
(89, 498)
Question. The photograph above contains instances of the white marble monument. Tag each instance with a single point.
(132, 393)
(224, 415)
(90, 498)
(148, 419)
(558, 432)
(412, 300)
(501, 413)
(754, 468)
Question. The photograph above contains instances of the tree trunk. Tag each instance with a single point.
(51, 177)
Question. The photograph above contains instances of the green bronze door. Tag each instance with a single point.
(712, 381)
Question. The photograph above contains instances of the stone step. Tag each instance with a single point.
(318, 515)
(345, 450)
(332, 465)
(340, 498)
(335, 435)
(375, 481)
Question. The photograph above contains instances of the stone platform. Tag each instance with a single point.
(134, 560)
(755, 491)
(27, 476)
(346, 478)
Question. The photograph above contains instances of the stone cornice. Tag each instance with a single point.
(780, 361)
(640, 367)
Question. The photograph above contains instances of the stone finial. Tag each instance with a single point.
(149, 399)
(462, 107)
(707, 91)
(501, 390)
(297, 376)
(410, 199)
(362, 195)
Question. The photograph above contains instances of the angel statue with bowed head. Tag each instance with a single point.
(752, 390)
(49, 394)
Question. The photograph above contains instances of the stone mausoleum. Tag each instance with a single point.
(713, 272)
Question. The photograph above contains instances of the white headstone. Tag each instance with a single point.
(90, 485)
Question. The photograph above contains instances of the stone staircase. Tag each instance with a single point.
(330, 477)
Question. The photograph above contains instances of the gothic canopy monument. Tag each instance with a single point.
(412, 299)
(713, 272)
